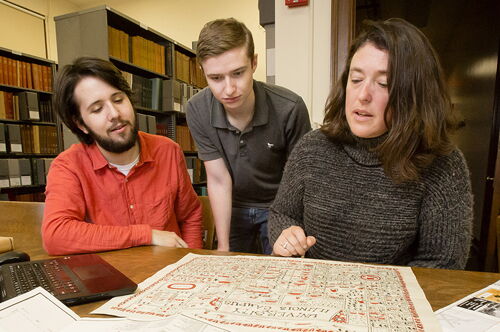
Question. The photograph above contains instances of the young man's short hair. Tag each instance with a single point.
(64, 89)
(222, 35)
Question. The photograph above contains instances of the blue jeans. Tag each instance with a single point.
(249, 231)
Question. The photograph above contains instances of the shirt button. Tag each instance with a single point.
(242, 141)
(131, 206)
(237, 132)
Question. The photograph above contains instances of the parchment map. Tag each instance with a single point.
(245, 293)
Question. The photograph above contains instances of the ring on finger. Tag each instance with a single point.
(284, 244)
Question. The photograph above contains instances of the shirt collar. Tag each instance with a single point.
(218, 117)
(98, 160)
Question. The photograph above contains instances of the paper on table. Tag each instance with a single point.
(247, 293)
(176, 323)
(39, 311)
(478, 312)
(36, 310)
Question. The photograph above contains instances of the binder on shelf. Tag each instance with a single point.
(170, 122)
(143, 122)
(46, 111)
(4, 173)
(3, 114)
(3, 143)
(25, 172)
(182, 66)
(141, 90)
(177, 93)
(156, 93)
(15, 106)
(151, 124)
(29, 80)
(190, 167)
(8, 105)
(184, 96)
(195, 169)
(41, 170)
(15, 142)
(47, 162)
(35, 74)
(167, 95)
(169, 54)
(183, 137)
(26, 139)
(14, 172)
(28, 106)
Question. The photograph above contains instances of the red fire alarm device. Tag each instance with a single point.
(296, 3)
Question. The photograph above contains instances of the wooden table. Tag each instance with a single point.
(22, 222)
(441, 287)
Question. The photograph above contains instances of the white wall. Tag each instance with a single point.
(180, 20)
(302, 54)
(49, 9)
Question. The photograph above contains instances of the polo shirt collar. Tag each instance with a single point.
(218, 117)
(98, 160)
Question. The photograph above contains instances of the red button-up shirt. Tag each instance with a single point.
(90, 206)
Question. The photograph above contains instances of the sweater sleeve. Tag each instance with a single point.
(445, 222)
(287, 208)
(188, 208)
(64, 229)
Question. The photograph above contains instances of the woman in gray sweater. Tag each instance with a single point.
(380, 181)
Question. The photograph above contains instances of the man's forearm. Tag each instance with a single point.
(220, 201)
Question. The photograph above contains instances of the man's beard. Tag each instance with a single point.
(113, 146)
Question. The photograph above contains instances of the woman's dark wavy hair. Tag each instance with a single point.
(419, 106)
(64, 88)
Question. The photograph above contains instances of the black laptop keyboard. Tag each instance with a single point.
(48, 275)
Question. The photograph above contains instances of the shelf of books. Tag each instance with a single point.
(29, 137)
(162, 73)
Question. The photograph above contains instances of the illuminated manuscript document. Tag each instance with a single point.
(249, 293)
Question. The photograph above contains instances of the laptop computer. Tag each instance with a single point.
(72, 279)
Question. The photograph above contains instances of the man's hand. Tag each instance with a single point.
(167, 239)
(293, 242)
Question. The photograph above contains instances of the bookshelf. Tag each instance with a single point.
(29, 138)
(162, 73)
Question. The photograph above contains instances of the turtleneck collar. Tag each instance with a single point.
(361, 150)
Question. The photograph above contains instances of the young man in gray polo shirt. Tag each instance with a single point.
(244, 131)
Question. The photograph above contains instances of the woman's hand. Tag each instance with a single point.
(293, 242)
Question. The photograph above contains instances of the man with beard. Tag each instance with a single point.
(118, 188)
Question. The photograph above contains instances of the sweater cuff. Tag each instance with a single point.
(140, 235)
